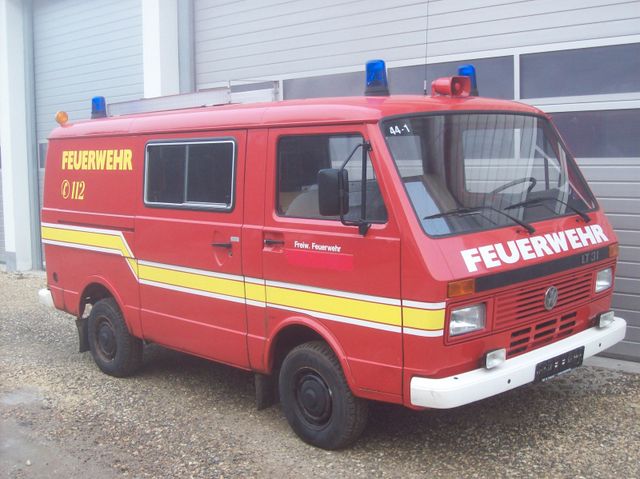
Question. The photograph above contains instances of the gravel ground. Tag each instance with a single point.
(186, 417)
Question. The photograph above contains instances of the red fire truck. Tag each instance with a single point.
(428, 251)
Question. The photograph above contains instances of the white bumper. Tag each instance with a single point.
(481, 383)
(45, 297)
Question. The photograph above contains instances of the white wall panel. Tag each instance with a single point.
(245, 40)
(83, 49)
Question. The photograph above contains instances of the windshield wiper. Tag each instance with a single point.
(537, 201)
(466, 210)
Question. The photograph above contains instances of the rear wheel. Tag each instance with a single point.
(114, 349)
(316, 398)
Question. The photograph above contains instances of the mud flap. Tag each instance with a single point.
(266, 391)
(83, 335)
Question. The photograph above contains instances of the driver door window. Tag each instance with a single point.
(299, 160)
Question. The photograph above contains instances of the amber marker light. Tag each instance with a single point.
(461, 288)
(614, 250)
(62, 118)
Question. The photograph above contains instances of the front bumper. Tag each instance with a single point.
(481, 383)
(45, 297)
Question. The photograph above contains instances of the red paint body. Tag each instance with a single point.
(394, 260)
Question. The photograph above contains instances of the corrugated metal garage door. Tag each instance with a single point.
(257, 40)
(83, 49)
(607, 145)
(616, 182)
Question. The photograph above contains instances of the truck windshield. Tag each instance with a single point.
(468, 172)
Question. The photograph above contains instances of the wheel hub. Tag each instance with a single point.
(106, 340)
(314, 398)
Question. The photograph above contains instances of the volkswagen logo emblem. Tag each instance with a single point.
(551, 298)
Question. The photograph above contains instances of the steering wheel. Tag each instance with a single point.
(524, 179)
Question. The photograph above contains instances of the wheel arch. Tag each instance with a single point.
(298, 330)
(95, 289)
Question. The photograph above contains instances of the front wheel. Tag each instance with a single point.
(316, 398)
(114, 349)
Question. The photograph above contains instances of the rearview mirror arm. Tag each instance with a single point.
(362, 224)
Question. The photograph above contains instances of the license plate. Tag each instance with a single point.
(560, 364)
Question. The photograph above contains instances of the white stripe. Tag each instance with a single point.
(259, 304)
(82, 246)
(420, 305)
(421, 332)
(198, 292)
(332, 292)
(341, 319)
(201, 272)
(259, 281)
(82, 228)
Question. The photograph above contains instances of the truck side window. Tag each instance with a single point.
(190, 174)
(299, 160)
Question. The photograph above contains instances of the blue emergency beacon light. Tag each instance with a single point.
(98, 107)
(377, 84)
(469, 71)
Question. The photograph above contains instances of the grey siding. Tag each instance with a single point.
(616, 183)
(259, 40)
(83, 49)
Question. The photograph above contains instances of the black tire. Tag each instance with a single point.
(316, 398)
(114, 349)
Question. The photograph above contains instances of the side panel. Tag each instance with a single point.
(190, 269)
(88, 229)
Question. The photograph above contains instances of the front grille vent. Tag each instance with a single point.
(526, 304)
(536, 335)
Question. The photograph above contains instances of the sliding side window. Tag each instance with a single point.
(191, 174)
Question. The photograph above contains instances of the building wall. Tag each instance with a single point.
(252, 40)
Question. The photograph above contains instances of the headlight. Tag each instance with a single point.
(604, 279)
(467, 319)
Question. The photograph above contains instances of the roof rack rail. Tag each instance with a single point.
(246, 93)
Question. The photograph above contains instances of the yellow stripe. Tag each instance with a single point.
(353, 308)
(415, 318)
(255, 292)
(133, 263)
(85, 238)
(197, 281)
(423, 318)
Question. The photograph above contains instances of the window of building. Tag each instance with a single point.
(585, 71)
(601, 134)
(299, 160)
(190, 175)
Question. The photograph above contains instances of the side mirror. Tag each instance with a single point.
(333, 192)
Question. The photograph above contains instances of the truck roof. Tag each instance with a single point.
(316, 111)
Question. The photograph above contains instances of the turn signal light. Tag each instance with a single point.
(614, 249)
(451, 86)
(461, 288)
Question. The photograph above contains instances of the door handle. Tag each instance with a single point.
(273, 242)
(222, 245)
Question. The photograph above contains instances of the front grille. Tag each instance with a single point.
(526, 304)
(541, 333)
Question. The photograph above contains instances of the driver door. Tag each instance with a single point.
(318, 268)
